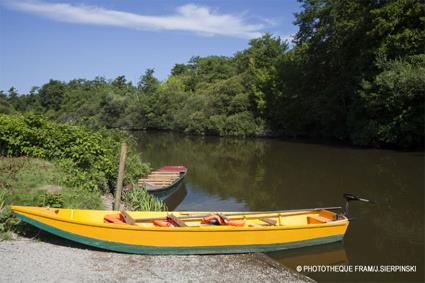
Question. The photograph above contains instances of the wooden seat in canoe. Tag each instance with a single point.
(315, 219)
(269, 221)
(164, 173)
(324, 216)
(155, 182)
(152, 182)
(160, 178)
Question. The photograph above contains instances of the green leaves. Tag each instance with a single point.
(139, 199)
(341, 88)
(36, 182)
(395, 100)
(148, 84)
(52, 94)
(330, 85)
(90, 158)
(51, 200)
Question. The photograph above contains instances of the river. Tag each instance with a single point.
(231, 174)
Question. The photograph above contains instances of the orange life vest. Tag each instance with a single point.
(114, 218)
(219, 220)
(163, 223)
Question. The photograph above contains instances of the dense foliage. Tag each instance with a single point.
(83, 164)
(36, 182)
(364, 63)
(89, 159)
(355, 73)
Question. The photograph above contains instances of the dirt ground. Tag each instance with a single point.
(53, 259)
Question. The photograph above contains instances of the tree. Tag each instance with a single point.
(393, 104)
(12, 95)
(52, 94)
(339, 44)
(259, 62)
(148, 83)
(5, 106)
(120, 82)
(179, 69)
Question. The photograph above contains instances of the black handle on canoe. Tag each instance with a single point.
(352, 197)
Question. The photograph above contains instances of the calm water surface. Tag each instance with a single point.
(267, 174)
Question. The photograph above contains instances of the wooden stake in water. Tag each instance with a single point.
(120, 179)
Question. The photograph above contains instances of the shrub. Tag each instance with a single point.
(35, 182)
(84, 164)
(89, 158)
(51, 200)
(139, 199)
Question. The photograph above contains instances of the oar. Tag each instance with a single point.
(267, 212)
(352, 197)
(190, 216)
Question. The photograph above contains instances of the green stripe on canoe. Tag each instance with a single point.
(140, 249)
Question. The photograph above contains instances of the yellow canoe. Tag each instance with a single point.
(259, 232)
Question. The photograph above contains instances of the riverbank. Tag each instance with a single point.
(56, 260)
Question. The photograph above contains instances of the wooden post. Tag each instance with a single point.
(120, 179)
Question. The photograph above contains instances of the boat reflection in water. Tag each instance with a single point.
(176, 197)
(329, 254)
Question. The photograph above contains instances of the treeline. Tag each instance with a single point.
(355, 73)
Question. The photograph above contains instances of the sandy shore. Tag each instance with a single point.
(57, 260)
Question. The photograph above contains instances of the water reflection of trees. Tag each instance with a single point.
(224, 167)
(176, 197)
(330, 254)
(272, 174)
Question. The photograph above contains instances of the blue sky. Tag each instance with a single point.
(64, 40)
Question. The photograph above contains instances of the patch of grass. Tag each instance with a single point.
(139, 199)
(6, 219)
(81, 198)
(31, 181)
(35, 182)
(27, 174)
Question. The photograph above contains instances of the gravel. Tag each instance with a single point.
(57, 260)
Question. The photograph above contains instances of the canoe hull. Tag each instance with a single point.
(164, 195)
(186, 240)
(165, 192)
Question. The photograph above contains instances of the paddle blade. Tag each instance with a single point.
(352, 197)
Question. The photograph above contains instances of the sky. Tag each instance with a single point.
(63, 40)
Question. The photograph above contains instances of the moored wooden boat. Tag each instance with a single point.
(189, 232)
(160, 181)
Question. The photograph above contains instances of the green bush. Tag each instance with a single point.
(84, 164)
(7, 223)
(35, 182)
(89, 159)
(51, 200)
(5, 107)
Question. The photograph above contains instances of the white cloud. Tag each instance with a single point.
(288, 37)
(190, 18)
